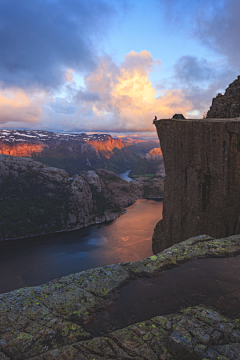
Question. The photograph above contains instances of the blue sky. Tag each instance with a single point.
(104, 65)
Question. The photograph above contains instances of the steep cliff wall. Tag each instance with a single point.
(202, 185)
(39, 199)
(107, 144)
(21, 149)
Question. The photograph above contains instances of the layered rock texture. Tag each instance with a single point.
(38, 199)
(50, 322)
(202, 185)
(226, 105)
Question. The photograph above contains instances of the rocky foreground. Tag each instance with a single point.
(49, 321)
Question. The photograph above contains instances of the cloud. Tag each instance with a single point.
(200, 80)
(42, 39)
(214, 23)
(121, 97)
(61, 106)
(87, 96)
(220, 31)
(17, 106)
(193, 69)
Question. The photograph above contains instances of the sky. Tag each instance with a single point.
(107, 65)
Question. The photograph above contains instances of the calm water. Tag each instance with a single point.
(125, 176)
(209, 282)
(36, 260)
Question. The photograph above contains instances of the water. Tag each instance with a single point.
(36, 260)
(209, 282)
(125, 176)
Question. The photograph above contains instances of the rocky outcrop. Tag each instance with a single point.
(226, 105)
(38, 199)
(154, 154)
(202, 184)
(50, 321)
(107, 144)
(151, 188)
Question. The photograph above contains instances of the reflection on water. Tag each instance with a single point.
(36, 260)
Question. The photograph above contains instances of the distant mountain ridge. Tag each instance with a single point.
(71, 152)
(34, 141)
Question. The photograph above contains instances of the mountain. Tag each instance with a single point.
(226, 105)
(37, 199)
(71, 152)
(141, 148)
(150, 165)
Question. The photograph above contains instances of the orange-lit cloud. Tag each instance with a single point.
(127, 94)
(115, 98)
(16, 105)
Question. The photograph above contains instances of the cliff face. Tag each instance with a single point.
(39, 199)
(154, 154)
(202, 185)
(107, 144)
(21, 149)
(227, 105)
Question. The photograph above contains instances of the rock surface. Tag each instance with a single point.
(154, 154)
(151, 188)
(38, 199)
(49, 321)
(227, 105)
(202, 184)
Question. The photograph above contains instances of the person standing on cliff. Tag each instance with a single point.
(155, 119)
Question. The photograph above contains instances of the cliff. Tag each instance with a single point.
(39, 199)
(226, 105)
(202, 184)
(21, 149)
(154, 154)
(107, 144)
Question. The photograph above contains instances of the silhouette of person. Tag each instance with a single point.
(154, 119)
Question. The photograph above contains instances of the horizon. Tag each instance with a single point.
(103, 66)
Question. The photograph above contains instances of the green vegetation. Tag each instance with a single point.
(121, 160)
(100, 200)
(144, 168)
(29, 206)
(142, 148)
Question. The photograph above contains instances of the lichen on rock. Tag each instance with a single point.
(48, 322)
